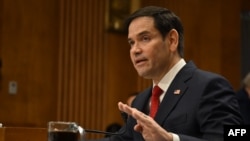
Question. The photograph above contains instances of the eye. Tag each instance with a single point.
(131, 43)
(145, 38)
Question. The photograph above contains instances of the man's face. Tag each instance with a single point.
(150, 53)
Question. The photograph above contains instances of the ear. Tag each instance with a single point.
(173, 39)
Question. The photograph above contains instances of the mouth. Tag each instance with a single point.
(140, 61)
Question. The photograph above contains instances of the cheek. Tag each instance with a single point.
(159, 54)
(156, 52)
(131, 55)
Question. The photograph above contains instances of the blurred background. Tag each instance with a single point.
(68, 60)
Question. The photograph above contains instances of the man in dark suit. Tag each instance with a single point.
(243, 96)
(194, 104)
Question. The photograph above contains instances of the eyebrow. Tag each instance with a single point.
(140, 34)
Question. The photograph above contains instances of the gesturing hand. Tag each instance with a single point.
(150, 130)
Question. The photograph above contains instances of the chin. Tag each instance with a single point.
(144, 75)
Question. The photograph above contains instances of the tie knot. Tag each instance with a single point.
(156, 91)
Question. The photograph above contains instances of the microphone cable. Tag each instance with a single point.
(124, 117)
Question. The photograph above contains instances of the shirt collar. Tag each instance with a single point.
(170, 75)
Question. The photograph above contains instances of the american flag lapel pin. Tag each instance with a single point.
(177, 91)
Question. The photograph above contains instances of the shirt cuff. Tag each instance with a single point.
(176, 137)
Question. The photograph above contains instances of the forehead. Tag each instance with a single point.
(140, 25)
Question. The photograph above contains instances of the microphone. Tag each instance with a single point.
(124, 117)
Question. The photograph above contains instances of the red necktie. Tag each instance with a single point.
(155, 101)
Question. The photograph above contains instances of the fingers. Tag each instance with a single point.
(125, 108)
(141, 116)
(145, 125)
(132, 112)
(138, 115)
(138, 128)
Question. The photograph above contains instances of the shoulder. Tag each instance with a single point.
(197, 73)
(202, 79)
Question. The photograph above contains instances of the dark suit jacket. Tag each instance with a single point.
(244, 102)
(206, 102)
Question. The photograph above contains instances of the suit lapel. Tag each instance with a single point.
(174, 93)
(142, 101)
(169, 101)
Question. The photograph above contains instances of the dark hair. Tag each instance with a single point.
(164, 20)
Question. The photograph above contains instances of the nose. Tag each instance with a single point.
(136, 49)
